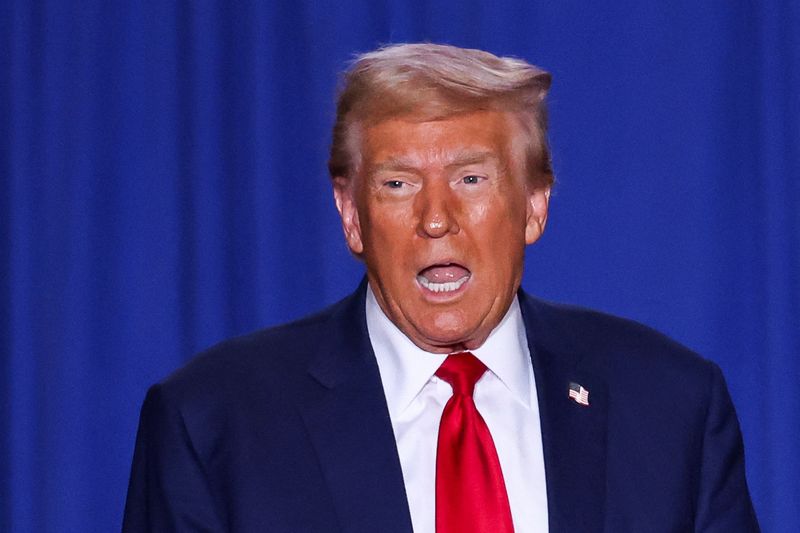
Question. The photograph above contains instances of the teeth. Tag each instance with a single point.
(447, 286)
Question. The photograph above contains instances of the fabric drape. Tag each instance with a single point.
(163, 186)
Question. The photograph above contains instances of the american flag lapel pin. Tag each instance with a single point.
(579, 394)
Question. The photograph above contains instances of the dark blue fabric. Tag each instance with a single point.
(163, 186)
(287, 430)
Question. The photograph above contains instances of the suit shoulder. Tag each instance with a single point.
(613, 342)
(269, 357)
(645, 374)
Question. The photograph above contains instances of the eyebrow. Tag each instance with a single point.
(411, 163)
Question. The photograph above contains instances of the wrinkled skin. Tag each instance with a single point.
(442, 200)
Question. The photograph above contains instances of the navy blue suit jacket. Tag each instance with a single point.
(287, 430)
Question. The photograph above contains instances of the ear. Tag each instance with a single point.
(343, 192)
(538, 201)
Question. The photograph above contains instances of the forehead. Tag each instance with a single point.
(463, 139)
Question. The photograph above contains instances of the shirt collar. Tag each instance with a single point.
(405, 368)
(506, 354)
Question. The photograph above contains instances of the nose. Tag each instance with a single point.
(436, 208)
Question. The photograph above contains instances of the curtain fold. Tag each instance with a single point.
(163, 173)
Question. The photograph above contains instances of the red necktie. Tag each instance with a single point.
(470, 491)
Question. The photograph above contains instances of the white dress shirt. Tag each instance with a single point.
(505, 396)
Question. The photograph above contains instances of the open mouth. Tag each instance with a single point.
(443, 278)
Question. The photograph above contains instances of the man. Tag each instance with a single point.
(438, 396)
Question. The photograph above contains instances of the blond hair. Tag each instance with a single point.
(433, 82)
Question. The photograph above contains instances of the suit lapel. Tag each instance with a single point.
(349, 425)
(573, 435)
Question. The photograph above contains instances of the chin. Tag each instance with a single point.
(447, 335)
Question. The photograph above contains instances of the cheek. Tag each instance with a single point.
(503, 235)
(388, 235)
(483, 211)
(381, 220)
(479, 213)
(498, 216)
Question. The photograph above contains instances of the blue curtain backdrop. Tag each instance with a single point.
(164, 187)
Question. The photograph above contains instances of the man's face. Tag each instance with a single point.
(441, 214)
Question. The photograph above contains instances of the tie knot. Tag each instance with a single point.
(461, 370)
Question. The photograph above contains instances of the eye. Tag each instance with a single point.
(394, 184)
(472, 179)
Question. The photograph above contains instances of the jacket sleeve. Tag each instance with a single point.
(723, 502)
(168, 489)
